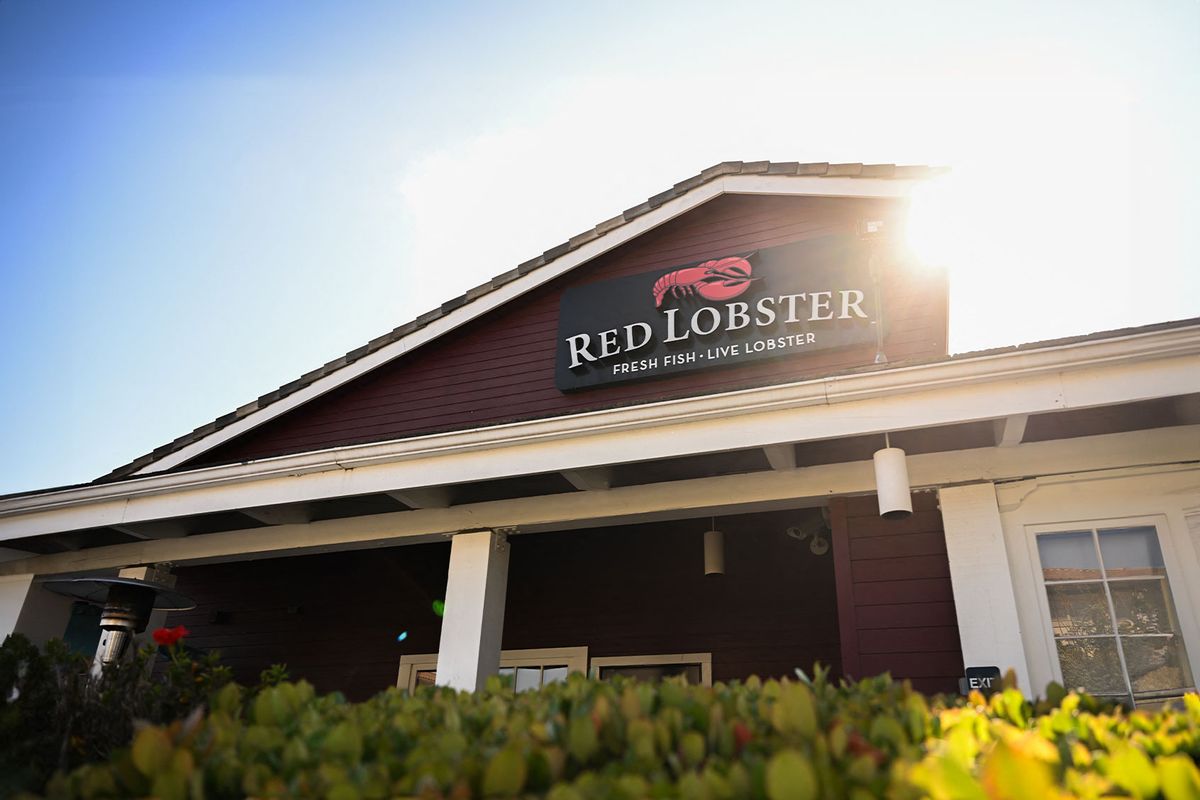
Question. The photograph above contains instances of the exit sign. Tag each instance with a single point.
(981, 679)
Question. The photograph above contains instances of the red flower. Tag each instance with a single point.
(741, 735)
(169, 636)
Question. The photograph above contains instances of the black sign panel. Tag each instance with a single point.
(734, 308)
(983, 679)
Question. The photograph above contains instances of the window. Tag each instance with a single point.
(695, 667)
(530, 669)
(1111, 612)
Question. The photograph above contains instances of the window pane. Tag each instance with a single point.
(1078, 609)
(653, 672)
(1129, 552)
(528, 678)
(1155, 663)
(506, 672)
(1142, 606)
(1092, 664)
(1068, 556)
(426, 677)
(553, 675)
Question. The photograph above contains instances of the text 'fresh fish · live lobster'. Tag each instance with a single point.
(722, 279)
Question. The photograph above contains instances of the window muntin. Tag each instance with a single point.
(1111, 612)
(653, 672)
(530, 669)
(534, 677)
(696, 668)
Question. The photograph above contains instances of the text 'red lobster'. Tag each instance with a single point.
(723, 279)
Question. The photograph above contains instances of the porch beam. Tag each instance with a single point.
(425, 497)
(1163, 447)
(154, 529)
(473, 622)
(589, 480)
(1094, 373)
(290, 514)
(1010, 431)
(781, 456)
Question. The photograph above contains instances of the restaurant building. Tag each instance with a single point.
(655, 450)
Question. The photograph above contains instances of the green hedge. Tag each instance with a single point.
(783, 740)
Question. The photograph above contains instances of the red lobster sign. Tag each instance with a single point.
(723, 279)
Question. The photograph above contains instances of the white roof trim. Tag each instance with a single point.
(812, 186)
(1083, 374)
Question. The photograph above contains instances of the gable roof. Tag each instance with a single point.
(173, 453)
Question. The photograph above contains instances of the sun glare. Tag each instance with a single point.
(1036, 245)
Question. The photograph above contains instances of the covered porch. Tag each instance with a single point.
(527, 530)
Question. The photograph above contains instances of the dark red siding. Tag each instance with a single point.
(642, 590)
(633, 590)
(894, 595)
(501, 367)
(332, 618)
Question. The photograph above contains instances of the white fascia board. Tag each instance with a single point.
(1084, 374)
(695, 498)
(731, 184)
(819, 186)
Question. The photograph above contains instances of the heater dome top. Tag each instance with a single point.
(95, 591)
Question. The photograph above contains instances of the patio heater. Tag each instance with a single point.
(127, 601)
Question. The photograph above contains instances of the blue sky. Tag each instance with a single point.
(199, 202)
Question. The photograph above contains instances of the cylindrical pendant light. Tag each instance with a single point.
(714, 552)
(891, 482)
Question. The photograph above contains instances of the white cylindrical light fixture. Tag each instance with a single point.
(891, 483)
(714, 553)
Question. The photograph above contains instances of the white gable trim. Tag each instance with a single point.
(812, 186)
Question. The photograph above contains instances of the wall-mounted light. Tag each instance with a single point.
(819, 545)
(891, 482)
(714, 551)
(815, 530)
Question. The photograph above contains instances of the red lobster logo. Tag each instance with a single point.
(723, 279)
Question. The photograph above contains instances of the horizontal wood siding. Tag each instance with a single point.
(332, 618)
(634, 590)
(500, 367)
(642, 590)
(893, 583)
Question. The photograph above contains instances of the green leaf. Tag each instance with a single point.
(581, 739)
(1130, 769)
(343, 791)
(344, 742)
(794, 713)
(564, 792)
(170, 785)
(1013, 775)
(1179, 777)
(790, 776)
(505, 774)
(151, 750)
(692, 748)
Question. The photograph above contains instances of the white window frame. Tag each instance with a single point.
(575, 659)
(1175, 578)
(703, 660)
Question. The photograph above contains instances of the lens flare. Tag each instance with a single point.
(403, 635)
(439, 607)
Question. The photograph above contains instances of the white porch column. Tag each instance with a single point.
(29, 609)
(473, 622)
(979, 572)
